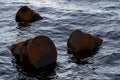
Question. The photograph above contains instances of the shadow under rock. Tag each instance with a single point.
(25, 71)
(23, 24)
(80, 58)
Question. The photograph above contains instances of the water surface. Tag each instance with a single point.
(61, 17)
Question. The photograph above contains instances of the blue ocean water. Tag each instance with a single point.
(61, 18)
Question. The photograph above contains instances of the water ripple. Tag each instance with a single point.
(61, 18)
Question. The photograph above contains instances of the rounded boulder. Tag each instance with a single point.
(37, 52)
(80, 41)
(27, 15)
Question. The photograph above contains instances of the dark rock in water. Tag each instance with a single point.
(37, 52)
(27, 15)
(80, 42)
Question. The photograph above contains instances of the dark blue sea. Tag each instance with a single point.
(61, 18)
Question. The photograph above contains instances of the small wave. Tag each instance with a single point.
(110, 60)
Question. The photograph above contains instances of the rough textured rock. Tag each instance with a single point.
(37, 52)
(80, 41)
(25, 14)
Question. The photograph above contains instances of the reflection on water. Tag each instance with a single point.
(26, 72)
(81, 57)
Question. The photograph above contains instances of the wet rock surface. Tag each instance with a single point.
(37, 52)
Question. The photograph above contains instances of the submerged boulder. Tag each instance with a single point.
(82, 42)
(25, 14)
(37, 52)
